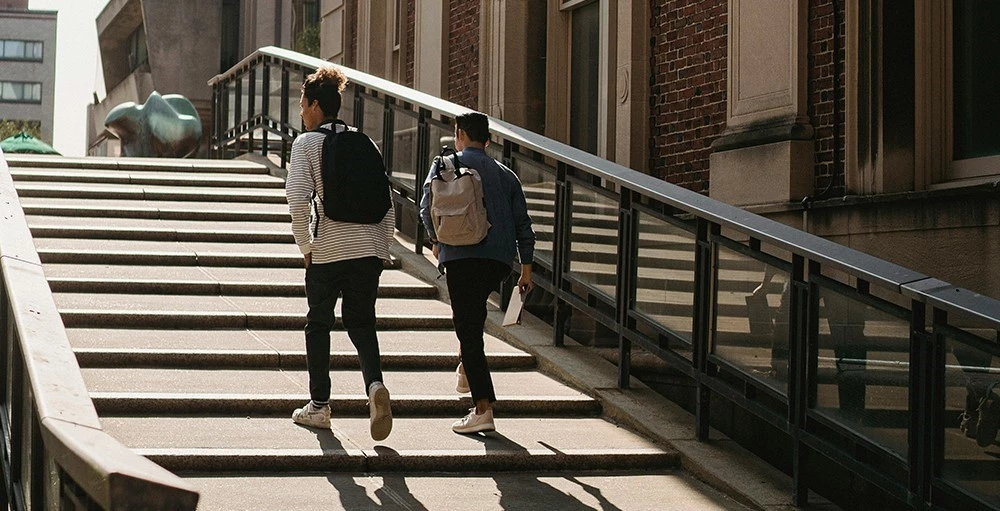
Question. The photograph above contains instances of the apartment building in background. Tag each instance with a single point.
(27, 70)
(176, 47)
(872, 126)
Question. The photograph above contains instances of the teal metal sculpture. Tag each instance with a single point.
(165, 126)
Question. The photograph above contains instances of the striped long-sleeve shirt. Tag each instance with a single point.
(332, 241)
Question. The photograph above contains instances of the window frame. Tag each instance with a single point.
(23, 86)
(25, 58)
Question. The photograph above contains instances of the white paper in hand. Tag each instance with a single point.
(514, 308)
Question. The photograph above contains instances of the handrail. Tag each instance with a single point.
(635, 233)
(49, 421)
(756, 226)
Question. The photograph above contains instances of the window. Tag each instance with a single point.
(975, 75)
(20, 92)
(12, 49)
(136, 49)
(585, 73)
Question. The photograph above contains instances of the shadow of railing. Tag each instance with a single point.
(857, 360)
(54, 453)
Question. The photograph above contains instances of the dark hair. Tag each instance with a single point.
(325, 86)
(475, 125)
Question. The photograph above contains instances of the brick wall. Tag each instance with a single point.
(688, 88)
(823, 65)
(408, 41)
(463, 53)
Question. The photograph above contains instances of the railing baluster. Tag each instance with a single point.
(560, 256)
(705, 262)
(251, 106)
(265, 106)
(625, 285)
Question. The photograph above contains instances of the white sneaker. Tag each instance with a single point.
(462, 387)
(380, 411)
(474, 423)
(309, 415)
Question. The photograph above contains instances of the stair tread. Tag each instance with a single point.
(133, 163)
(203, 274)
(150, 224)
(664, 490)
(55, 175)
(154, 205)
(208, 305)
(280, 340)
(267, 382)
(520, 436)
(74, 189)
(172, 247)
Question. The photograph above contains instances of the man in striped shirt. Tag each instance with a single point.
(340, 258)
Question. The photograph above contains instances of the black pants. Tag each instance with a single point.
(358, 280)
(470, 282)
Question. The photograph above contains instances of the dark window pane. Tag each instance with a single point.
(976, 74)
(585, 65)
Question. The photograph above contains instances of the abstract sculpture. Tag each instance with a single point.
(165, 126)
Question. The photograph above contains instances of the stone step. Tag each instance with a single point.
(133, 164)
(103, 318)
(160, 230)
(151, 192)
(281, 382)
(281, 405)
(428, 342)
(163, 210)
(164, 178)
(221, 444)
(206, 254)
(269, 359)
(189, 304)
(196, 280)
(663, 490)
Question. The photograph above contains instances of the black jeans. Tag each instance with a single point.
(358, 280)
(470, 282)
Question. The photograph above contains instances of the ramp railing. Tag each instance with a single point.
(54, 454)
(857, 361)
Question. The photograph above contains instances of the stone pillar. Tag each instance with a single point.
(430, 51)
(631, 86)
(331, 40)
(512, 64)
(766, 153)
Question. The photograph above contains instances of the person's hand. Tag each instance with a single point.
(435, 249)
(308, 259)
(524, 284)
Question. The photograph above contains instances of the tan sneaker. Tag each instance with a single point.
(309, 415)
(462, 387)
(474, 423)
(380, 411)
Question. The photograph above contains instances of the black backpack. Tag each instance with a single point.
(355, 185)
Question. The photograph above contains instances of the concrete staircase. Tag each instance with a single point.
(182, 294)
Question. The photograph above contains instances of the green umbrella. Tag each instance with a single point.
(25, 143)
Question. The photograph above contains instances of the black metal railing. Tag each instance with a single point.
(857, 360)
(54, 454)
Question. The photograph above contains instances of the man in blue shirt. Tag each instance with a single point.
(475, 271)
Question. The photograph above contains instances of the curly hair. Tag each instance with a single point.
(325, 86)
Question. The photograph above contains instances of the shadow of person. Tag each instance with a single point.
(394, 489)
(352, 495)
(528, 491)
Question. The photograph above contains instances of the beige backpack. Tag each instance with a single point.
(457, 208)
